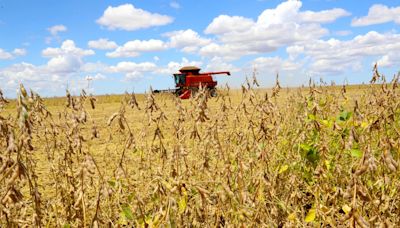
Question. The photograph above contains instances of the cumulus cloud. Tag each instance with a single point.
(22, 71)
(229, 51)
(135, 47)
(325, 16)
(132, 66)
(65, 59)
(68, 47)
(343, 32)
(127, 17)
(275, 64)
(389, 60)
(36, 77)
(95, 77)
(54, 30)
(4, 55)
(134, 70)
(378, 14)
(186, 40)
(65, 64)
(336, 56)
(174, 66)
(95, 67)
(218, 64)
(274, 28)
(224, 24)
(291, 72)
(102, 44)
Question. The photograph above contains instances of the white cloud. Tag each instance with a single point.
(289, 11)
(127, 17)
(66, 59)
(19, 52)
(135, 47)
(275, 64)
(378, 14)
(173, 66)
(391, 59)
(4, 55)
(285, 12)
(34, 77)
(54, 30)
(274, 28)
(102, 44)
(132, 66)
(325, 16)
(343, 32)
(95, 67)
(65, 65)
(291, 72)
(294, 51)
(88, 81)
(21, 71)
(67, 47)
(134, 70)
(186, 40)
(218, 64)
(174, 5)
(95, 77)
(66, 69)
(335, 56)
(227, 51)
(224, 24)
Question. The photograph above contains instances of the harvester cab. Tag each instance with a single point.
(189, 80)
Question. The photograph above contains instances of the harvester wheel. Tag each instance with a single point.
(213, 92)
(194, 91)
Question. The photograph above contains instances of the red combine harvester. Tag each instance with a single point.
(189, 80)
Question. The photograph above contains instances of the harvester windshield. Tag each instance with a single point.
(180, 78)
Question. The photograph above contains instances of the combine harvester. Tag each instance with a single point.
(189, 80)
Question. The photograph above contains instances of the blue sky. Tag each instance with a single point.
(131, 45)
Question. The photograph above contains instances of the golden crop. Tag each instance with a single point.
(322, 155)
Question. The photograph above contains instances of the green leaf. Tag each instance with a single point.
(305, 147)
(182, 204)
(148, 219)
(262, 146)
(283, 169)
(111, 183)
(325, 123)
(310, 217)
(346, 209)
(364, 125)
(67, 225)
(311, 117)
(166, 184)
(345, 115)
(292, 217)
(127, 212)
(328, 164)
(356, 153)
(310, 153)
